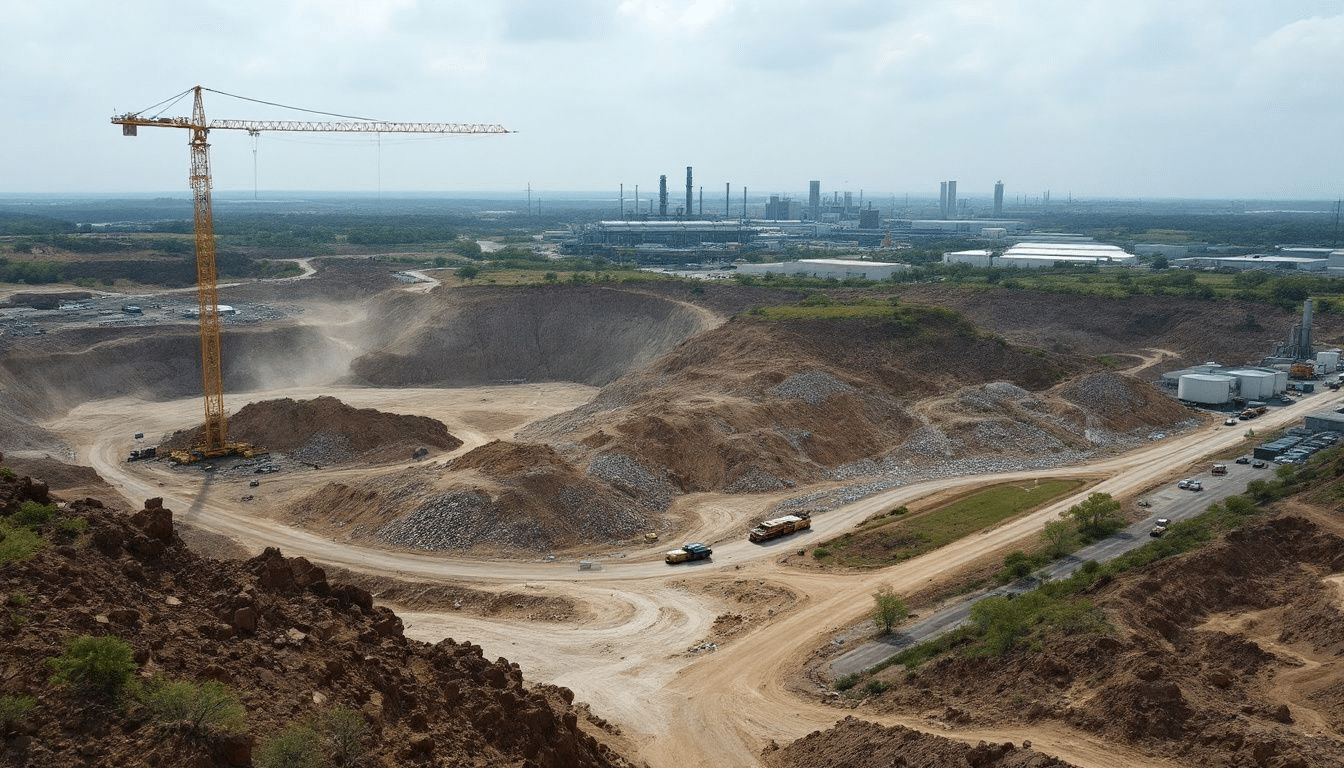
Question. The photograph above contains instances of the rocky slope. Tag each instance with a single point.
(1231, 655)
(291, 645)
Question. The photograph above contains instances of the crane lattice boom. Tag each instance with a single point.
(215, 436)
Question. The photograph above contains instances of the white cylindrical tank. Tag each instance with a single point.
(1328, 360)
(1255, 385)
(1280, 382)
(1205, 388)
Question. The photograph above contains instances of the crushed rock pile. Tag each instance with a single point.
(276, 632)
(326, 431)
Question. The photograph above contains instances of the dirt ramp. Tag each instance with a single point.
(325, 431)
(467, 337)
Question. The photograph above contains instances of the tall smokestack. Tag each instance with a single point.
(1304, 353)
(688, 194)
(662, 196)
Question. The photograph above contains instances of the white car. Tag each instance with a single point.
(1183, 484)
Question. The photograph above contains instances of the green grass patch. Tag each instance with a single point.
(884, 540)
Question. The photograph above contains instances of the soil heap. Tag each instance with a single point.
(292, 645)
(326, 431)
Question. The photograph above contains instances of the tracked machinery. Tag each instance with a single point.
(214, 441)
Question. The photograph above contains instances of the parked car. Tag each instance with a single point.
(1258, 464)
(1243, 459)
(1184, 484)
(1195, 485)
(1161, 527)
(1232, 422)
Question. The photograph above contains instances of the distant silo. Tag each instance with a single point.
(1205, 388)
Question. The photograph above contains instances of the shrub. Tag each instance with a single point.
(14, 708)
(209, 706)
(298, 746)
(846, 682)
(7, 473)
(821, 553)
(18, 543)
(344, 731)
(874, 687)
(32, 514)
(100, 665)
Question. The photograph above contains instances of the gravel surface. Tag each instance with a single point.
(812, 387)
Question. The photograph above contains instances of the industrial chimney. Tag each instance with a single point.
(662, 196)
(688, 193)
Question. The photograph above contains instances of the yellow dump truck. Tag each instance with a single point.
(780, 526)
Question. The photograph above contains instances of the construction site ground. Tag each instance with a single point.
(709, 663)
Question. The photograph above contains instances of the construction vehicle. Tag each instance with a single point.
(143, 454)
(688, 552)
(780, 526)
(1220, 469)
(214, 438)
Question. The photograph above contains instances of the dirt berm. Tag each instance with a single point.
(292, 646)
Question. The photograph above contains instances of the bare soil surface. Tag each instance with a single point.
(593, 415)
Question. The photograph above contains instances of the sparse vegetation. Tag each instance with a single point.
(196, 709)
(100, 666)
(14, 708)
(298, 746)
(894, 538)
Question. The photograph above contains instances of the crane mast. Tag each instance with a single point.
(214, 440)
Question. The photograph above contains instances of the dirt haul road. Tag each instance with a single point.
(630, 653)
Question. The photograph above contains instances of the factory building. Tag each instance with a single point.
(839, 269)
(1038, 255)
(1257, 261)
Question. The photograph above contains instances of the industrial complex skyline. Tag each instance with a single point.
(1199, 99)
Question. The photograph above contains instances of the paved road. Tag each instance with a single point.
(1170, 502)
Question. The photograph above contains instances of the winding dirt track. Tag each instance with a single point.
(628, 657)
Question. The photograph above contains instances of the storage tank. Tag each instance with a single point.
(1255, 385)
(1205, 388)
(1280, 382)
(1328, 360)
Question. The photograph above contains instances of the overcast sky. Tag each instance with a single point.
(1098, 98)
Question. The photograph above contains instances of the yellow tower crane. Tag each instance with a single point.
(214, 440)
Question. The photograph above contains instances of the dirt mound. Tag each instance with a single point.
(1231, 655)
(500, 498)
(290, 644)
(326, 431)
(757, 405)
(854, 743)
(66, 480)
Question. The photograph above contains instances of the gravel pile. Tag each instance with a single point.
(757, 480)
(812, 387)
(447, 521)
(324, 448)
(627, 476)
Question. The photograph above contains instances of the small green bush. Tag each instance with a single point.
(874, 687)
(100, 665)
(298, 746)
(344, 730)
(846, 682)
(821, 553)
(7, 473)
(18, 543)
(197, 709)
(14, 708)
(32, 514)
